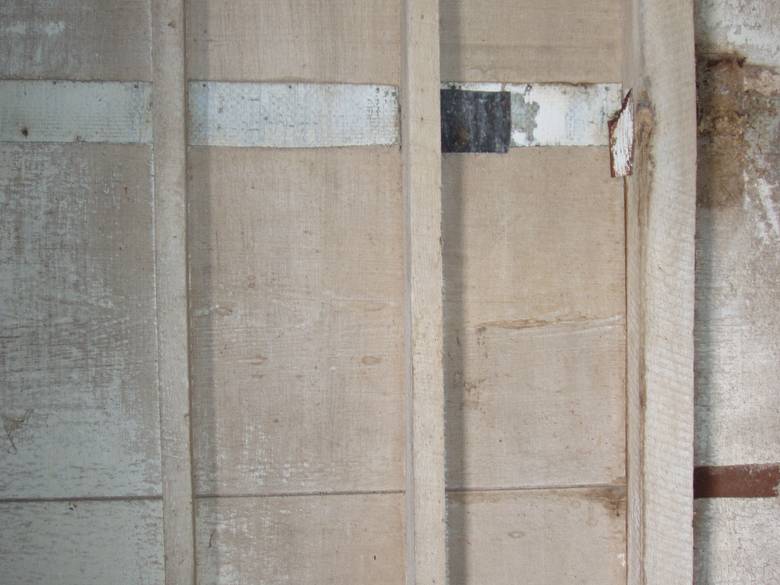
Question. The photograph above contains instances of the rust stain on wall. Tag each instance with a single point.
(737, 109)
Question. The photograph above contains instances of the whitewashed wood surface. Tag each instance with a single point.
(77, 40)
(77, 367)
(81, 543)
(70, 111)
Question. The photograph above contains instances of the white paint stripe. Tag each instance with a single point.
(73, 111)
(556, 114)
(563, 115)
(297, 115)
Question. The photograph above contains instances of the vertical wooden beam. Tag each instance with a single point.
(169, 123)
(660, 222)
(421, 144)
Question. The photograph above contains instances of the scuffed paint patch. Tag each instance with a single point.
(552, 114)
(621, 139)
(555, 114)
(68, 111)
(292, 115)
(524, 115)
(475, 121)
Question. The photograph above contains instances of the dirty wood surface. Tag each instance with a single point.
(343, 41)
(660, 219)
(534, 298)
(296, 319)
(534, 309)
(424, 413)
(81, 542)
(548, 536)
(79, 395)
(332, 540)
(530, 41)
(85, 40)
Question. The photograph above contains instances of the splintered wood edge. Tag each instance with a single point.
(621, 139)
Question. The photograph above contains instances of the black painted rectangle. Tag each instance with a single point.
(475, 121)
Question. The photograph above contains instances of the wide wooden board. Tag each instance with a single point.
(531, 41)
(306, 540)
(296, 319)
(81, 543)
(534, 318)
(79, 400)
(537, 537)
(85, 39)
(351, 41)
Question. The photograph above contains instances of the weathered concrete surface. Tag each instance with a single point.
(738, 280)
(738, 255)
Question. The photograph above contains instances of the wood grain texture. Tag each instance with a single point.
(737, 541)
(537, 537)
(424, 329)
(171, 284)
(307, 540)
(297, 319)
(348, 41)
(81, 543)
(534, 318)
(529, 41)
(75, 39)
(77, 348)
(660, 219)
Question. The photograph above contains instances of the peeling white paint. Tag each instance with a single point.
(68, 111)
(556, 114)
(567, 115)
(292, 115)
(621, 139)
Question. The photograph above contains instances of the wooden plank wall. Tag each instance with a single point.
(738, 292)
(80, 445)
(231, 362)
(534, 314)
(296, 260)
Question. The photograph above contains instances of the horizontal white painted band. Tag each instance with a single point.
(75, 111)
(292, 115)
(556, 114)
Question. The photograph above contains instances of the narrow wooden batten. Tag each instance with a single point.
(170, 195)
(421, 146)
